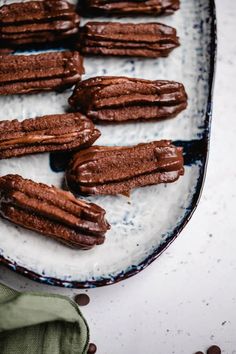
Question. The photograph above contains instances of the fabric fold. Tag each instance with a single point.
(35, 323)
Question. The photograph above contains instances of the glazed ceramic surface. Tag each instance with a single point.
(143, 225)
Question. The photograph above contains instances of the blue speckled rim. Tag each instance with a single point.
(205, 141)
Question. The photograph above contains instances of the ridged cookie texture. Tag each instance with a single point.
(58, 132)
(51, 71)
(34, 22)
(119, 99)
(117, 170)
(130, 7)
(52, 212)
(150, 40)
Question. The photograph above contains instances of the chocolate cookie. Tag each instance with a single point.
(42, 72)
(119, 99)
(151, 40)
(117, 170)
(33, 22)
(130, 7)
(52, 212)
(57, 132)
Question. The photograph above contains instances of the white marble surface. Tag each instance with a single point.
(186, 300)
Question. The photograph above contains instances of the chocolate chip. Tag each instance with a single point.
(214, 350)
(82, 300)
(92, 348)
(199, 353)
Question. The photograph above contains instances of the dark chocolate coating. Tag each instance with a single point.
(151, 40)
(20, 74)
(52, 212)
(33, 22)
(119, 99)
(58, 132)
(117, 170)
(129, 7)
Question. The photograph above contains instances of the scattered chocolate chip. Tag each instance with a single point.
(214, 349)
(92, 348)
(82, 300)
(199, 353)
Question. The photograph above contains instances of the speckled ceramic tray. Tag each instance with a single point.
(145, 224)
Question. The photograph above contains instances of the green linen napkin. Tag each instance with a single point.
(35, 323)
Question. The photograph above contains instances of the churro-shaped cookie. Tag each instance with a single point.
(119, 99)
(33, 22)
(150, 40)
(52, 212)
(130, 7)
(117, 170)
(41, 72)
(58, 132)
